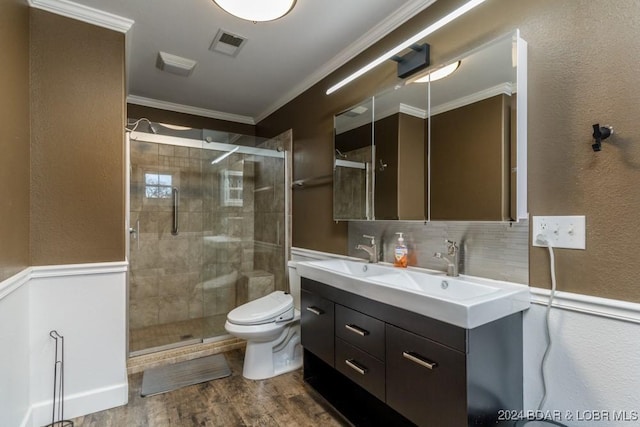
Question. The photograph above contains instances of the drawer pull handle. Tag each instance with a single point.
(357, 330)
(416, 358)
(355, 366)
(315, 310)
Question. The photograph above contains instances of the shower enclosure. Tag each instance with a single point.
(209, 230)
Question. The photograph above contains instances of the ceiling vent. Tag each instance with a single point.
(227, 43)
(175, 64)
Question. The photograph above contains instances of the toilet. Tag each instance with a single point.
(271, 327)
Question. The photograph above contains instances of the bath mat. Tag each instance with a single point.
(172, 377)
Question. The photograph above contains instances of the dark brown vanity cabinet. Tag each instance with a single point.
(382, 365)
(316, 318)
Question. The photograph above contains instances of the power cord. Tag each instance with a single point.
(542, 240)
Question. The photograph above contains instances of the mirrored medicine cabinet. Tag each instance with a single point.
(446, 150)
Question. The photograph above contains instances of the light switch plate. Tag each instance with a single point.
(567, 232)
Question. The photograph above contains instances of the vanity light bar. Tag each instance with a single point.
(407, 43)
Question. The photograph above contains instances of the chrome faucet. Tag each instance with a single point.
(371, 250)
(452, 258)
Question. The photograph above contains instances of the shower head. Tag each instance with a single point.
(153, 128)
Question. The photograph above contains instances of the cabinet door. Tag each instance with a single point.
(316, 323)
(426, 381)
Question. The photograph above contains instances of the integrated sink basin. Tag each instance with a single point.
(464, 301)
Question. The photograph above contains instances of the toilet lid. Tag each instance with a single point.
(261, 310)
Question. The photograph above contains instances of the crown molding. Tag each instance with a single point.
(196, 111)
(85, 14)
(413, 111)
(503, 88)
(400, 16)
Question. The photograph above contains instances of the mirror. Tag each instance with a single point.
(449, 149)
(353, 158)
(400, 142)
(476, 155)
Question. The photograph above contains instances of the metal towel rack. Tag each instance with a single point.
(58, 383)
(312, 182)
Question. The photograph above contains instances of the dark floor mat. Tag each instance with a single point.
(171, 377)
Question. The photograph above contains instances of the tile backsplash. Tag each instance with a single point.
(494, 250)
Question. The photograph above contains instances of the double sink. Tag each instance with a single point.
(463, 301)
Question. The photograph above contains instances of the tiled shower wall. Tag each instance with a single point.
(350, 186)
(166, 270)
(270, 254)
(205, 269)
(494, 250)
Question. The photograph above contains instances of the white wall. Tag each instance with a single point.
(14, 351)
(86, 304)
(593, 368)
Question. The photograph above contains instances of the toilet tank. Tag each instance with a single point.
(294, 283)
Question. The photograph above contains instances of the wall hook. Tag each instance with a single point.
(600, 133)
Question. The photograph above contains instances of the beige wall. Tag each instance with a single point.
(583, 62)
(14, 137)
(77, 141)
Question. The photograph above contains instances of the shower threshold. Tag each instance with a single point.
(166, 347)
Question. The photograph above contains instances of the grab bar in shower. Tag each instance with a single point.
(176, 202)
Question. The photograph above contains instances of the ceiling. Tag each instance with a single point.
(280, 59)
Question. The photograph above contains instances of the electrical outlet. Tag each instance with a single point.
(566, 232)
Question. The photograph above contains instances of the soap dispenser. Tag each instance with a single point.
(400, 254)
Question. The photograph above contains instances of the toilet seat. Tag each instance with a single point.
(275, 307)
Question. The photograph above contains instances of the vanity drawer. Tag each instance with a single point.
(360, 330)
(361, 368)
(316, 324)
(426, 381)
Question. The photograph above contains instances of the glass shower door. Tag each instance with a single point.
(244, 228)
(208, 232)
(166, 200)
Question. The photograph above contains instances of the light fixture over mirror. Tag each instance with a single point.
(407, 43)
(438, 74)
(257, 10)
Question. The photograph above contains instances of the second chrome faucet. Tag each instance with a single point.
(452, 258)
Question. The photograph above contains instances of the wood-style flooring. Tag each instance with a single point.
(233, 401)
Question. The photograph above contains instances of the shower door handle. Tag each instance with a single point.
(135, 232)
(176, 203)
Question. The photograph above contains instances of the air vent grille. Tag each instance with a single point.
(227, 43)
(231, 39)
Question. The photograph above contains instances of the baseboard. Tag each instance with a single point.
(80, 404)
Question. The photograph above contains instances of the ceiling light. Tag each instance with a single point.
(438, 74)
(407, 43)
(256, 10)
(174, 127)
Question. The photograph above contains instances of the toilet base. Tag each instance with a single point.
(264, 360)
